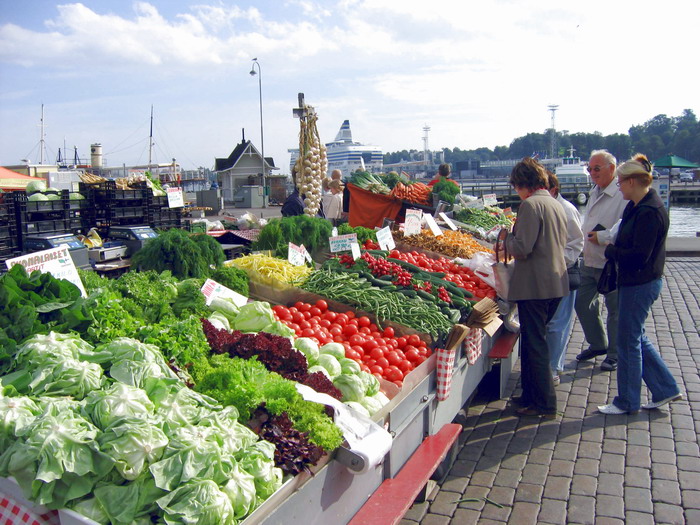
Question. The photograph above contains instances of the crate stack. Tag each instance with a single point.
(9, 245)
(161, 216)
(112, 206)
(61, 215)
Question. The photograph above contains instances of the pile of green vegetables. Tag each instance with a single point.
(446, 190)
(482, 218)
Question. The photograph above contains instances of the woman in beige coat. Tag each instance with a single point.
(539, 281)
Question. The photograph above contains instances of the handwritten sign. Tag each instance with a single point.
(477, 204)
(430, 220)
(297, 255)
(175, 198)
(448, 221)
(355, 248)
(413, 222)
(385, 239)
(211, 289)
(490, 199)
(334, 232)
(56, 261)
(341, 243)
(508, 212)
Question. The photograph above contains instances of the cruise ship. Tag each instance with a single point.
(348, 156)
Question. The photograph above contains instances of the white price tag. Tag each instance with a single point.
(306, 253)
(56, 261)
(413, 222)
(341, 243)
(448, 221)
(175, 198)
(334, 232)
(433, 225)
(355, 248)
(211, 289)
(490, 200)
(295, 254)
(477, 204)
(508, 212)
(385, 239)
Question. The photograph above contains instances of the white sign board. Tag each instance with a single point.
(490, 200)
(211, 289)
(175, 198)
(355, 248)
(433, 225)
(56, 261)
(342, 243)
(447, 220)
(297, 255)
(477, 204)
(413, 222)
(385, 239)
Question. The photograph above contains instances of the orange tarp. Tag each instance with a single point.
(11, 180)
(369, 209)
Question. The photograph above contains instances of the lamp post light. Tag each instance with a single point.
(262, 139)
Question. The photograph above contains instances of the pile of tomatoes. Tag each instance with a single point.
(460, 275)
(378, 352)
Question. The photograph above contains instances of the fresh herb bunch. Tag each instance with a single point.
(363, 234)
(183, 254)
(312, 232)
(233, 278)
(446, 190)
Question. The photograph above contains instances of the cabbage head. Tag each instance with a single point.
(351, 386)
(201, 502)
(371, 383)
(116, 402)
(133, 444)
(254, 317)
(335, 349)
(309, 348)
(331, 364)
(35, 186)
(349, 366)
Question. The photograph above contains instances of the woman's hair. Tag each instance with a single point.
(530, 174)
(444, 170)
(637, 167)
(553, 182)
(609, 157)
(335, 185)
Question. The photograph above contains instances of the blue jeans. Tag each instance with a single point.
(637, 357)
(559, 331)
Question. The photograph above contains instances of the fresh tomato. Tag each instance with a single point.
(414, 340)
(321, 305)
(364, 321)
(365, 330)
(392, 373)
(342, 319)
(375, 352)
(349, 330)
(297, 317)
(330, 315)
(388, 332)
(393, 358)
(401, 342)
(405, 367)
(357, 339)
(308, 332)
(376, 370)
(412, 355)
(315, 311)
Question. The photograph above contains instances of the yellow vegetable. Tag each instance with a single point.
(271, 270)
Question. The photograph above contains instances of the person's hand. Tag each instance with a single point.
(502, 234)
(593, 237)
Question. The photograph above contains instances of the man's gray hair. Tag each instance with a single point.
(609, 157)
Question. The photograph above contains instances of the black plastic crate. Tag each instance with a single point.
(47, 226)
(127, 211)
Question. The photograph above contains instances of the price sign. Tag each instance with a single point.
(341, 243)
(508, 212)
(413, 222)
(306, 254)
(355, 250)
(334, 232)
(490, 200)
(211, 289)
(478, 204)
(385, 239)
(296, 255)
(433, 225)
(175, 198)
(448, 221)
(56, 261)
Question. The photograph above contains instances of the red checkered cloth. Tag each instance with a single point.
(12, 513)
(472, 345)
(444, 367)
(249, 235)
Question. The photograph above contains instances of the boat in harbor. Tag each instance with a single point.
(572, 172)
(348, 156)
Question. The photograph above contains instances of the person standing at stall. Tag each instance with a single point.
(603, 210)
(639, 253)
(538, 283)
(559, 328)
(333, 202)
(443, 173)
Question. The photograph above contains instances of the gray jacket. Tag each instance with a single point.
(537, 243)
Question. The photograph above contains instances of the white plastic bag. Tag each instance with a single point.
(481, 263)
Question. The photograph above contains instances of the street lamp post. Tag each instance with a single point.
(262, 139)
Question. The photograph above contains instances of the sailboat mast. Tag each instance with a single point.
(42, 143)
(150, 141)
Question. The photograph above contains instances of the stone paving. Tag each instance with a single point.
(586, 467)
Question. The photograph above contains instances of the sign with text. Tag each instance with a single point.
(56, 261)
(211, 289)
(297, 255)
(478, 204)
(433, 225)
(447, 220)
(413, 221)
(508, 212)
(341, 243)
(385, 239)
(355, 248)
(175, 198)
(490, 199)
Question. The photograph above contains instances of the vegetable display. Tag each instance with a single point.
(484, 219)
(446, 190)
(312, 165)
(312, 232)
(270, 270)
(369, 182)
(450, 243)
(417, 193)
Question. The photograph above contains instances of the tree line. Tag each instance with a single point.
(655, 138)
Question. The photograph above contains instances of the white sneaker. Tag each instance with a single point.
(611, 410)
(556, 380)
(651, 406)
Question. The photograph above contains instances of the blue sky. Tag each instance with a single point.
(478, 73)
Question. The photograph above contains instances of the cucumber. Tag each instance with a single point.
(407, 265)
(427, 296)
(381, 253)
(380, 283)
(390, 288)
(387, 277)
(408, 293)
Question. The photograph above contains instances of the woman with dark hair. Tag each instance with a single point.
(539, 281)
(443, 173)
(639, 253)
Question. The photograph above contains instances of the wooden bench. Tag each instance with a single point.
(394, 497)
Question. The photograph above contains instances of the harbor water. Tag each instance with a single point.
(685, 220)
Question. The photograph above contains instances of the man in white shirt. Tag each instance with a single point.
(604, 209)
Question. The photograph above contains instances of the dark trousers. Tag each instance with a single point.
(536, 375)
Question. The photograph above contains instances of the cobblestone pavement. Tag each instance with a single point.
(586, 467)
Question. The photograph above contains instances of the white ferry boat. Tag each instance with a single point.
(572, 169)
(347, 156)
